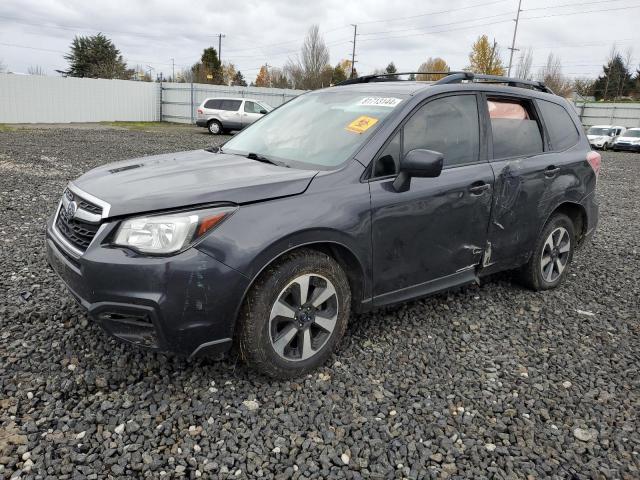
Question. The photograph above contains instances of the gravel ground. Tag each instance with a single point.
(484, 382)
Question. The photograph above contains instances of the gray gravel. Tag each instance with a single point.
(484, 382)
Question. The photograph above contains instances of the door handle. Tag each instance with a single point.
(551, 171)
(477, 188)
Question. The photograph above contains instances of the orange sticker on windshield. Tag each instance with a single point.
(361, 124)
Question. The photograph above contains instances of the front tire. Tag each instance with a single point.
(214, 127)
(295, 315)
(547, 268)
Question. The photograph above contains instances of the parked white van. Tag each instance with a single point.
(603, 136)
(220, 115)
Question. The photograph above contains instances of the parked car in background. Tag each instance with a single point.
(352, 197)
(220, 115)
(603, 136)
(628, 141)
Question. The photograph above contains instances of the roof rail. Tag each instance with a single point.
(388, 77)
(453, 77)
(460, 77)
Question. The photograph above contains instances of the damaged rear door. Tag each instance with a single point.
(435, 232)
(523, 172)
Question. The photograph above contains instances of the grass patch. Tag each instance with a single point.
(6, 128)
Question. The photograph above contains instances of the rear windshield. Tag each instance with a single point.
(316, 130)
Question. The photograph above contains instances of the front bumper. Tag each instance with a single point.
(626, 147)
(185, 304)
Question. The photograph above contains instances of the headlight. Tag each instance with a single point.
(161, 234)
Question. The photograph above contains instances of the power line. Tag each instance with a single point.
(458, 22)
(433, 13)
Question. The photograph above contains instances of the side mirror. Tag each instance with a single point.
(263, 112)
(418, 163)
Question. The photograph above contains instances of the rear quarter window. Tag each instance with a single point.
(231, 105)
(213, 104)
(562, 131)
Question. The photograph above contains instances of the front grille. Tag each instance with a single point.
(77, 232)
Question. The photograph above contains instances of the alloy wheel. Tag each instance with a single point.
(303, 317)
(555, 254)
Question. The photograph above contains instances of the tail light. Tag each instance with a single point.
(200, 111)
(595, 160)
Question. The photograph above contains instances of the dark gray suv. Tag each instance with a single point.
(344, 199)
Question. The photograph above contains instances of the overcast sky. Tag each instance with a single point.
(407, 32)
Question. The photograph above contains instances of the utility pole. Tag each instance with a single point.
(173, 69)
(220, 37)
(266, 66)
(353, 53)
(513, 41)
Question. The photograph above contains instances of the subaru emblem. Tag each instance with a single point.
(71, 209)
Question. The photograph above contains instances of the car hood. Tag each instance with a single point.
(189, 178)
(628, 139)
(598, 137)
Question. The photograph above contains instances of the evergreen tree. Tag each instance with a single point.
(96, 57)
(615, 82)
(238, 80)
(209, 68)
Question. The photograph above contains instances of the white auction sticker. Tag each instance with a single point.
(380, 101)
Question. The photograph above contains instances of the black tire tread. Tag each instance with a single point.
(257, 302)
(529, 275)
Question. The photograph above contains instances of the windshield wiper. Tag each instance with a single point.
(263, 159)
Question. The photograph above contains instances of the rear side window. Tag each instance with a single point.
(213, 104)
(515, 129)
(448, 125)
(231, 105)
(562, 131)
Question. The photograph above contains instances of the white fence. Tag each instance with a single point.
(39, 99)
(180, 100)
(622, 114)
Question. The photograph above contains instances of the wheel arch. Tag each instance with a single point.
(346, 258)
(578, 215)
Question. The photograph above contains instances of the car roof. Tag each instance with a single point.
(405, 87)
(231, 98)
(411, 88)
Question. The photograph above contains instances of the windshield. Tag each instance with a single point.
(316, 130)
(632, 133)
(599, 131)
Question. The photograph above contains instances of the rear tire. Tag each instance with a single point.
(295, 315)
(553, 252)
(214, 127)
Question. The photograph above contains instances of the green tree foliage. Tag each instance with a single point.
(238, 80)
(339, 75)
(485, 57)
(209, 68)
(96, 57)
(616, 80)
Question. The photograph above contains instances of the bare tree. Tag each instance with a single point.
(309, 70)
(3, 67)
(36, 70)
(584, 86)
(525, 61)
(552, 76)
